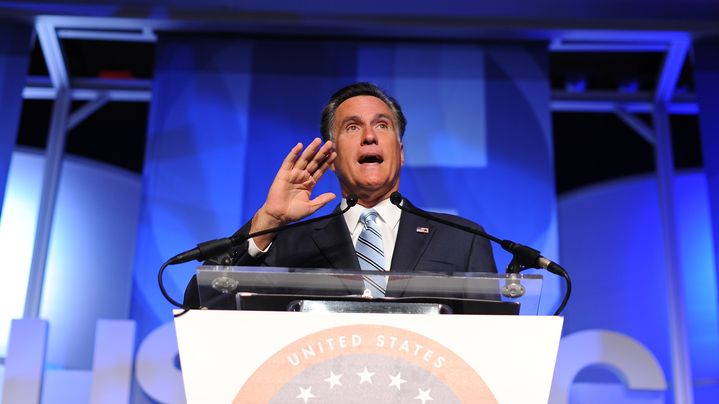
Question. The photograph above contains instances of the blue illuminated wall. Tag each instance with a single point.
(226, 111)
(611, 241)
(89, 266)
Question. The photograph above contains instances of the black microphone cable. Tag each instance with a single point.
(523, 257)
(216, 247)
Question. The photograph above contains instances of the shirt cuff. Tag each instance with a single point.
(255, 251)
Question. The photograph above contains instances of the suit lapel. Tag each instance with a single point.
(413, 237)
(335, 243)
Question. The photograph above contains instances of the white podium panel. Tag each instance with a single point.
(282, 357)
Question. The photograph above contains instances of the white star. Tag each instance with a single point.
(365, 376)
(333, 380)
(396, 380)
(424, 396)
(306, 394)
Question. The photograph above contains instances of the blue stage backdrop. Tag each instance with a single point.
(611, 240)
(225, 112)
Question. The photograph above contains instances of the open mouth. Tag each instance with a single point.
(370, 159)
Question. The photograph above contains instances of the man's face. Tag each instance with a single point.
(369, 153)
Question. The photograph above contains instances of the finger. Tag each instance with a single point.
(308, 154)
(321, 201)
(289, 160)
(305, 161)
(320, 157)
(323, 168)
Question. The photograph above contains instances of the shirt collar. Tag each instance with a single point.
(388, 213)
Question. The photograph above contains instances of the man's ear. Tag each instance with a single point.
(401, 154)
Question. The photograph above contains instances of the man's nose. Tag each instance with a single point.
(369, 136)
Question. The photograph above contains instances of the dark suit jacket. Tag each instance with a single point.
(328, 244)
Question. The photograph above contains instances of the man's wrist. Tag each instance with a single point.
(263, 221)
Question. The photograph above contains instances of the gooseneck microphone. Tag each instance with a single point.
(523, 257)
(219, 246)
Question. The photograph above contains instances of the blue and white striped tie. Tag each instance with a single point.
(370, 252)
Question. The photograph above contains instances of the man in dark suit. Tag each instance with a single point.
(363, 130)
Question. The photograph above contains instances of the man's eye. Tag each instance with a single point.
(382, 125)
(352, 128)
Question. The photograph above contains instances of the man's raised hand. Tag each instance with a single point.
(289, 197)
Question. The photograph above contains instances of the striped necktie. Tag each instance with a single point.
(370, 253)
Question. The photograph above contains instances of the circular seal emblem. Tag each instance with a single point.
(365, 364)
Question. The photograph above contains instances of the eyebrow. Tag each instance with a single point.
(353, 118)
(385, 116)
(356, 118)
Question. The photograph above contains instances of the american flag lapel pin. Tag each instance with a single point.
(424, 230)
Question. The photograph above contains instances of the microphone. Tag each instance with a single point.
(523, 257)
(216, 247)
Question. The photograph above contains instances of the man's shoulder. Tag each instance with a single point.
(449, 217)
(459, 220)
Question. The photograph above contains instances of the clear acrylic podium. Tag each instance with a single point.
(288, 289)
(309, 336)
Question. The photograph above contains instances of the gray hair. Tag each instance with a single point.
(353, 90)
